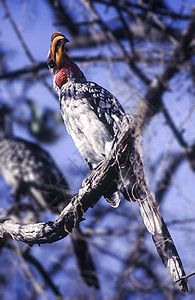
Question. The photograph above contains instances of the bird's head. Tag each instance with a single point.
(61, 66)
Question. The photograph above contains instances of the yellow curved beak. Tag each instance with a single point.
(57, 48)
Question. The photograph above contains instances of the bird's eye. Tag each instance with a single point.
(51, 64)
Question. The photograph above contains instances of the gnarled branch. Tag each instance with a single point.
(92, 189)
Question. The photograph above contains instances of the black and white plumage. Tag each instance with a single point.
(91, 114)
(94, 117)
(29, 169)
(88, 116)
(32, 172)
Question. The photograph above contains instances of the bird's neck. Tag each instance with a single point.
(69, 72)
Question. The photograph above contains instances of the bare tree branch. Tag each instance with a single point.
(22, 41)
(145, 9)
(17, 31)
(32, 260)
(153, 98)
(92, 189)
(89, 59)
(109, 34)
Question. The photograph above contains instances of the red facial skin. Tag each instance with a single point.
(61, 77)
(63, 74)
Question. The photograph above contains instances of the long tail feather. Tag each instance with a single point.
(134, 187)
(162, 239)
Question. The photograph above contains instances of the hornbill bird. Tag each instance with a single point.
(32, 172)
(94, 118)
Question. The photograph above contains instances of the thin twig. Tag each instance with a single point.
(110, 36)
(167, 13)
(24, 45)
(153, 98)
(31, 259)
(18, 33)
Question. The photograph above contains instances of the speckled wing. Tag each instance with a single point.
(111, 114)
(29, 169)
(106, 107)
